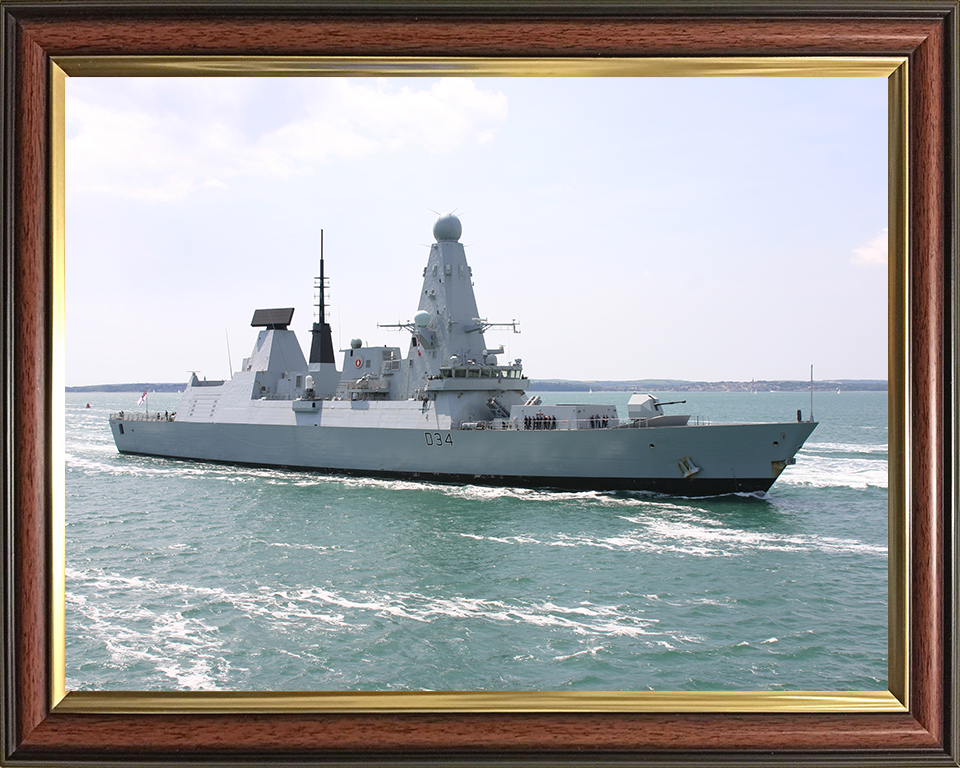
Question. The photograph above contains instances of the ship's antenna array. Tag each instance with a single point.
(321, 342)
(229, 361)
(320, 288)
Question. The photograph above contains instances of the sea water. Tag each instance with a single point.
(192, 576)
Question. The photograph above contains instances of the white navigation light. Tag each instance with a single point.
(421, 319)
(447, 228)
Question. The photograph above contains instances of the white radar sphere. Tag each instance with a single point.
(355, 343)
(448, 228)
(421, 319)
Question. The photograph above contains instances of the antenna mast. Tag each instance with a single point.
(811, 391)
(320, 286)
(321, 344)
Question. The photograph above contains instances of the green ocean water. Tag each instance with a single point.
(191, 576)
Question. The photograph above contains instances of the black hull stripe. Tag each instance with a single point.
(691, 487)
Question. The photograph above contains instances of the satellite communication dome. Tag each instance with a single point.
(355, 343)
(421, 318)
(448, 228)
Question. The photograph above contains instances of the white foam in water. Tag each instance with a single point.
(584, 652)
(817, 448)
(725, 539)
(606, 620)
(833, 472)
(311, 547)
(166, 634)
(710, 540)
(185, 650)
(252, 605)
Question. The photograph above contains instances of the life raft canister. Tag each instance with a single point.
(359, 362)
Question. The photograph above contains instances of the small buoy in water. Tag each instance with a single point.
(88, 405)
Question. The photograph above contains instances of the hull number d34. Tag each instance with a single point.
(436, 438)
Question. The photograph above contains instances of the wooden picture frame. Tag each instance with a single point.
(916, 722)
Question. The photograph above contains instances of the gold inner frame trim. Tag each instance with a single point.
(414, 66)
(139, 702)
(58, 490)
(136, 702)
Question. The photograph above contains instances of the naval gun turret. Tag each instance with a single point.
(647, 411)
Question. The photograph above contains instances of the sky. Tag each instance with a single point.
(686, 228)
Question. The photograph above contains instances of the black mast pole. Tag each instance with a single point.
(321, 346)
(321, 277)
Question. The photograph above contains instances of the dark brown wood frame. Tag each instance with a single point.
(35, 32)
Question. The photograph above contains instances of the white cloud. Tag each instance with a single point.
(170, 142)
(874, 252)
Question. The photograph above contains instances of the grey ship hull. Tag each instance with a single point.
(447, 410)
(730, 458)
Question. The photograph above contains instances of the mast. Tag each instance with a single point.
(321, 345)
(811, 391)
(321, 302)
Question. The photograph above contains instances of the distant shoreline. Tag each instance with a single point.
(561, 385)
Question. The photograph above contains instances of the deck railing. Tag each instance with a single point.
(561, 425)
(517, 425)
(137, 416)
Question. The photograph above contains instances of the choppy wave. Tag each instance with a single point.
(728, 541)
(663, 535)
(275, 579)
(879, 449)
(186, 650)
(288, 607)
(828, 471)
(183, 631)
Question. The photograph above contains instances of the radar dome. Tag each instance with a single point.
(447, 228)
(421, 319)
(355, 343)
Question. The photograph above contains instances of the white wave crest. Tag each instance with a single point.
(818, 448)
(827, 472)
(698, 539)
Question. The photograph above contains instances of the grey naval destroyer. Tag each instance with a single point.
(446, 409)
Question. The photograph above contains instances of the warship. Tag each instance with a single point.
(446, 409)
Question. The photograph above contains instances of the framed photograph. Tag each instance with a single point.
(591, 589)
(44, 722)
